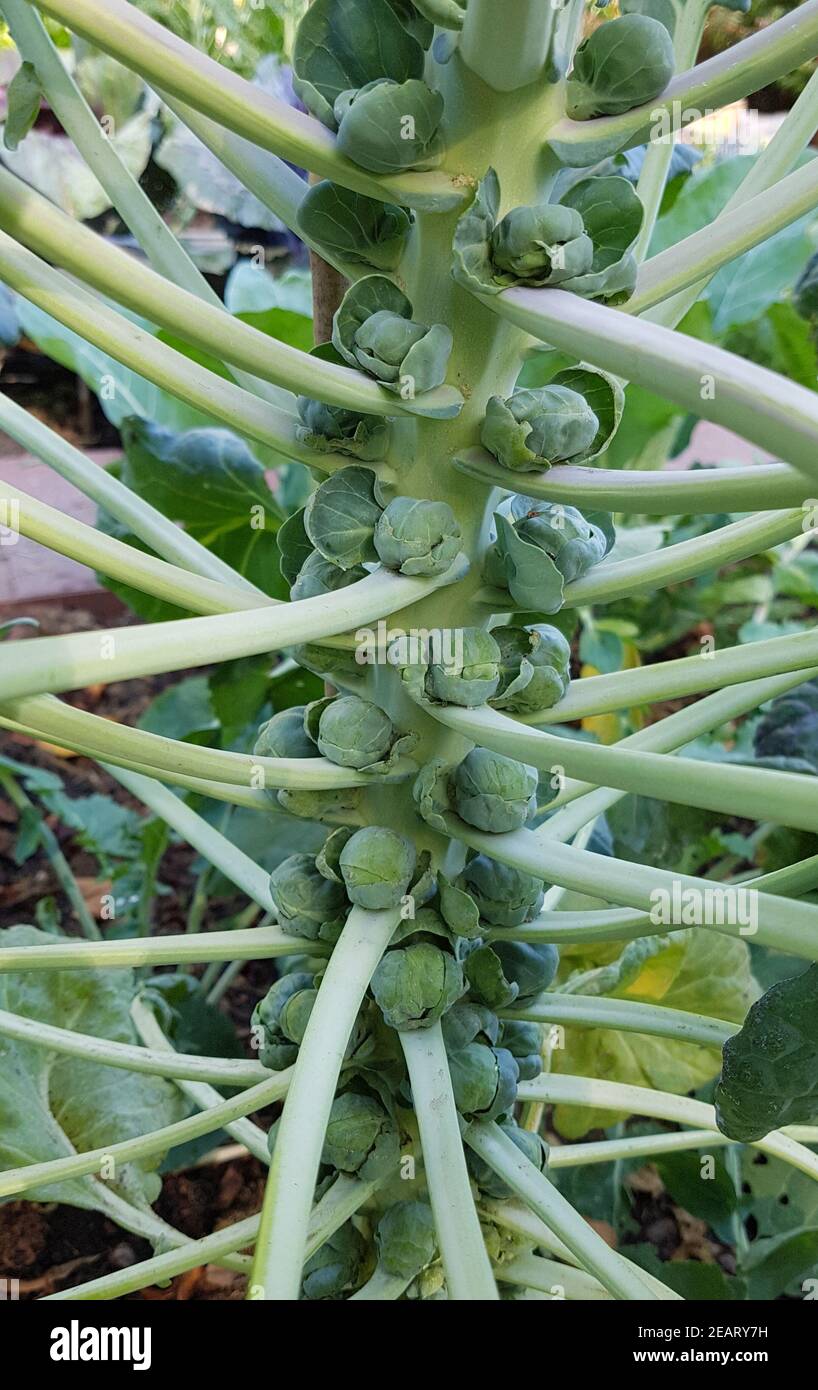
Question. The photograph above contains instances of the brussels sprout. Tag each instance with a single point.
(531, 1146)
(468, 1022)
(533, 429)
(418, 537)
(336, 1267)
(359, 229)
(373, 330)
(284, 736)
(329, 429)
(540, 245)
(507, 971)
(341, 45)
(319, 576)
(534, 668)
(341, 515)
(414, 985)
(505, 897)
(278, 1049)
(389, 126)
(523, 1041)
(484, 1081)
(406, 1239)
(306, 901)
(361, 1137)
(472, 677)
(613, 214)
(354, 733)
(622, 64)
(377, 867)
(493, 792)
(540, 547)
(341, 807)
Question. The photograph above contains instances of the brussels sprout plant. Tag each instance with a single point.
(457, 960)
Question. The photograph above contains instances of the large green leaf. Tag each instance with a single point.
(53, 1106)
(712, 976)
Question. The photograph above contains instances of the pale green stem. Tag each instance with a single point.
(634, 1146)
(259, 943)
(511, 52)
(280, 1250)
(650, 187)
(776, 414)
(582, 1011)
(112, 557)
(587, 1091)
(127, 1057)
(665, 736)
(51, 847)
(687, 675)
(114, 272)
(762, 793)
(142, 1222)
(783, 924)
(468, 1270)
(54, 664)
(699, 256)
(596, 1257)
(89, 733)
(224, 982)
(776, 160)
(682, 492)
(162, 535)
(337, 1205)
(167, 62)
(14, 1181)
(739, 71)
(204, 1096)
(195, 830)
(559, 1281)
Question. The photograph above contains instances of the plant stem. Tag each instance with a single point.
(54, 664)
(128, 1057)
(382, 1286)
(50, 844)
(580, 1011)
(167, 539)
(203, 1095)
(763, 794)
(300, 1139)
(260, 943)
(510, 54)
(504, 1158)
(560, 1281)
(468, 1271)
(172, 65)
(660, 1105)
(782, 924)
(680, 492)
(13, 1181)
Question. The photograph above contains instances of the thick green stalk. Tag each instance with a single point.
(581, 1011)
(770, 411)
(558, 1281)
(14, 1181)
(172, 65)
(281, 1245)
(783, 924)
(55, 664)
(108, 269)
(510, 53)
(684, 492)
(127, 1057)
(204, 1096)
(762, 793)
(635, 1146)
(167, 539)
(67, 536)
(737, 72)
(102, 738)
(259, 943)
(468, 1270)
(659, 1105)
(619, 1277)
